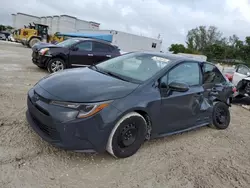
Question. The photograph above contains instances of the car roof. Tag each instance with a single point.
(91, 39)
(172, 57)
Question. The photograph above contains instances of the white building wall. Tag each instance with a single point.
(63, 23)
(81, 25)
(55, 24)
(49, 23)
(43, 20)
(25, 19)
(67, 24)
(129, 42)
(94, 25)
(13, 20)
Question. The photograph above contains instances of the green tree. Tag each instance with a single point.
(2, 28)
(177, 48)
(200, 37)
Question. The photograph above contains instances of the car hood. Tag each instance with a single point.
(41, 45)
(85, 85)
(247, 78)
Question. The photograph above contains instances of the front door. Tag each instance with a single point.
(181, 110)
(81, 54)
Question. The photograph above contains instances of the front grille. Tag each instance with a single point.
(50, 131)
(35, 54)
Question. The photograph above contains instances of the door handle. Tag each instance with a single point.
(108, 55)
(90, 54)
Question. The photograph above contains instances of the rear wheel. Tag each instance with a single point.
(221, 115)
(127, 136)
(33, 41)
(55, 65)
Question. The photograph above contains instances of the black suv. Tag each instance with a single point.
(72, 52)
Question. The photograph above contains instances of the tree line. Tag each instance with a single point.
(5, 28)
(210, 41)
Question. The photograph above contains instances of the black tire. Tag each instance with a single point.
(127, 135)
(52, 62)
(221, 115)
(33, 41)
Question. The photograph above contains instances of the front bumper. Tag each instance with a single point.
(39, 60)
(90, 134)
(243, 88)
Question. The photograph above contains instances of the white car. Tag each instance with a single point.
(11, 38)
(241, 79)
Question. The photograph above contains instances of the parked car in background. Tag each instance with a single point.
(228, 72)
(118, 104)
(2, 36)
(241, 79)
(72, 52)
(11, 38)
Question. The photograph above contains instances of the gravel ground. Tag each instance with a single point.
(201, 158)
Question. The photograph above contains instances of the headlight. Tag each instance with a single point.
(85, 109)
(43, 51)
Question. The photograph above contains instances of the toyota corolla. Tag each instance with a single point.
(118, 104)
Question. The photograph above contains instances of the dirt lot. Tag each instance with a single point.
(202, 158)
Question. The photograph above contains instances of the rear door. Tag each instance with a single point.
(101, 51)
(241, 72)
(214, 83)
(82, 54)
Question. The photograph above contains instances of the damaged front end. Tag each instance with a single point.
(243, 87)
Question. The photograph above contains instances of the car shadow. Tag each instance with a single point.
(241, 101)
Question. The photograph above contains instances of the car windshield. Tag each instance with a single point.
(134, 66)
(67, 43)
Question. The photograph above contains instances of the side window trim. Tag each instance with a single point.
(200, 72)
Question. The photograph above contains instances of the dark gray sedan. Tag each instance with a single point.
(118, 104)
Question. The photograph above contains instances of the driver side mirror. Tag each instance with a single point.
(75, 48)
(178, 86)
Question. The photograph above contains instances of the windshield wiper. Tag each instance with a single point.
(115, 75)
(96, 68)
(108, 73)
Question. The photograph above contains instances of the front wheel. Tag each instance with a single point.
(33, 41)
(127, 136)
(221, 115)
(55, 65)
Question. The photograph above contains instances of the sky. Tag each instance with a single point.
(170, 18)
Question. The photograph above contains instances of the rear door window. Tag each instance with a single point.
(85, 46)
(100, 47)
(212, 75)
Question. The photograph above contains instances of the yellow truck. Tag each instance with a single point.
(32, 34)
